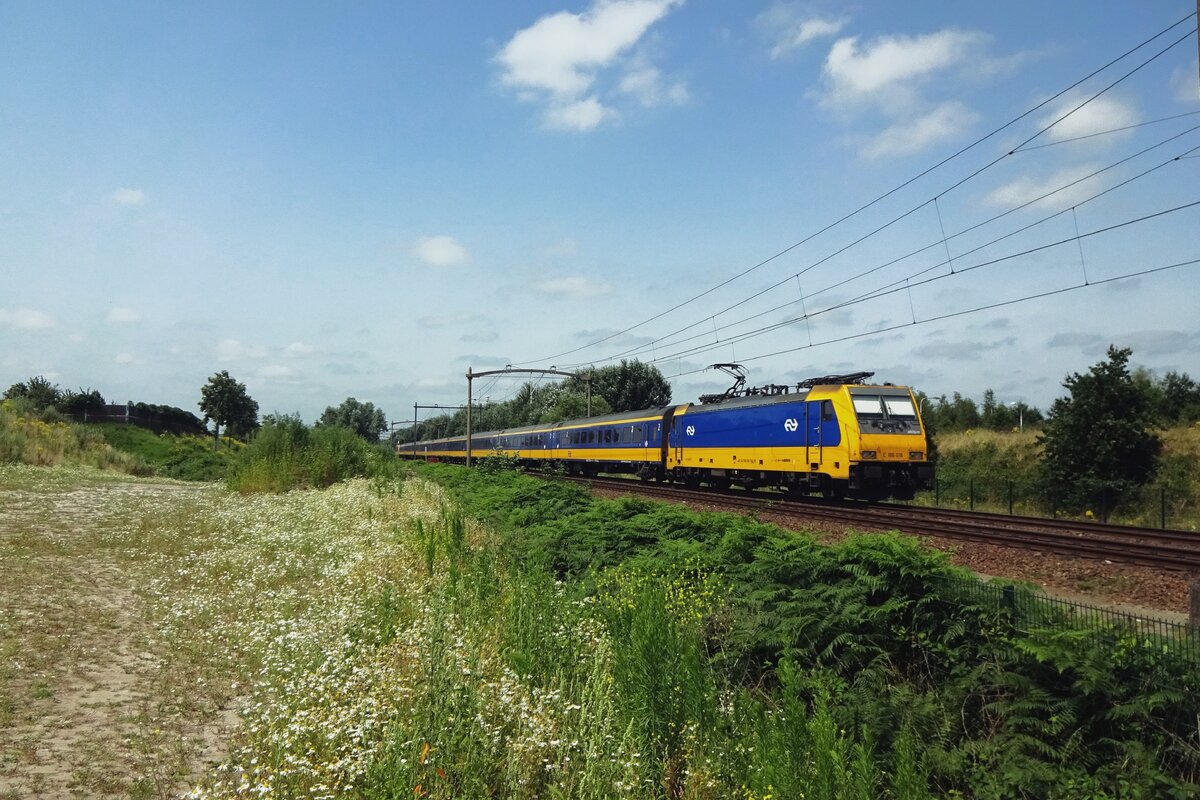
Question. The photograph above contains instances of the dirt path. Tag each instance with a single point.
(81, 681)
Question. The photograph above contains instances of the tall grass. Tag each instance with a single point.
(36, 441)
(991, 469)
(286, 454)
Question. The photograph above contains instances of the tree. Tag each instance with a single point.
(79, 404)
(364, 419)
(628, 386)
(38, 392)
(1179, 398)
(573, 405)
(225, 401)
(1097, 446)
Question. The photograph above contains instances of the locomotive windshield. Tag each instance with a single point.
(880, 412)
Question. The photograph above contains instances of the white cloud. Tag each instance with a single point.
(124, 358)
(788, 29)
(559, 57)
(233, 350)
(1105, 113)
(128, 197)
(1024, 189)
(885, 64)
(1185, 83)
(275, 371)
(648, 86)
(946, 122)
(583, 115)
(28, 318)
(440, 251)
(576, 286)
(123, 316)
(297, 349)
(444, 320)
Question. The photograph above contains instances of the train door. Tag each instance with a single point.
(813, 441)
(668, 427)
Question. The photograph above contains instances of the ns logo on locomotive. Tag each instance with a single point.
(836, 434)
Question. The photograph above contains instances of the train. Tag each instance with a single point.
(836, 435)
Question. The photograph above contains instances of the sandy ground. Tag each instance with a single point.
(81, 686)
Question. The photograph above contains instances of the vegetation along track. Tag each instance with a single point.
(1149, 547)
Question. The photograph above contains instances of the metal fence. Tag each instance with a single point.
(1157, 506)
(1029, 611)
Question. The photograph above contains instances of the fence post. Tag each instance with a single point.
(972, 491)
(1010, 598)
(1010, 499)
(1163, 508)
(1194, 607)
(937, 492)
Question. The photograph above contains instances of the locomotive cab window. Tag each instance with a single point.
(885, 413)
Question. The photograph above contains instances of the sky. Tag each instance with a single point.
(367, 199)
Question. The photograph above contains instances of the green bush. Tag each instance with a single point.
(286, 454)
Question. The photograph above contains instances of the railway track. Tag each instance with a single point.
(1148, 547)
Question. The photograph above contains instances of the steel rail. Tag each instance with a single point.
(1150, 547)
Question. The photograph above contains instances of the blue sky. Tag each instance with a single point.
(333, 200)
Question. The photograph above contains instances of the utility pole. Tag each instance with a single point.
(469, 379)
(509, 369)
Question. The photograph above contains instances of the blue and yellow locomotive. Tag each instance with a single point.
(834, 435)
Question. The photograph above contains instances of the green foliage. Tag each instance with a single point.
(37, 391)
(1098, 449)
(78, 404)
(286, 454)
(963, 414)
(574, 405)
(864, 669)
(1178, 399)
(187, 458)
(364, 419)
(628, 386)
(26, 439)
(224, 401)
(499, 461)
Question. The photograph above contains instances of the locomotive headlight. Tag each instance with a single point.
(916, 455)
(870, 454)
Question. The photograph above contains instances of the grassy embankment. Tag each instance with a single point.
(380, 644)
(993, 462)
(29, 440)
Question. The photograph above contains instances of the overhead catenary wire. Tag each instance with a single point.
(659, 343)
(906, 283)
(956, 184)
(964, 312)
(899, 187)
(1108, 132)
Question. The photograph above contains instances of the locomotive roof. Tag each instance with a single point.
(791, 397)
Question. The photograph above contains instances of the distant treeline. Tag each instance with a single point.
(40, 397)
(1172, 400)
